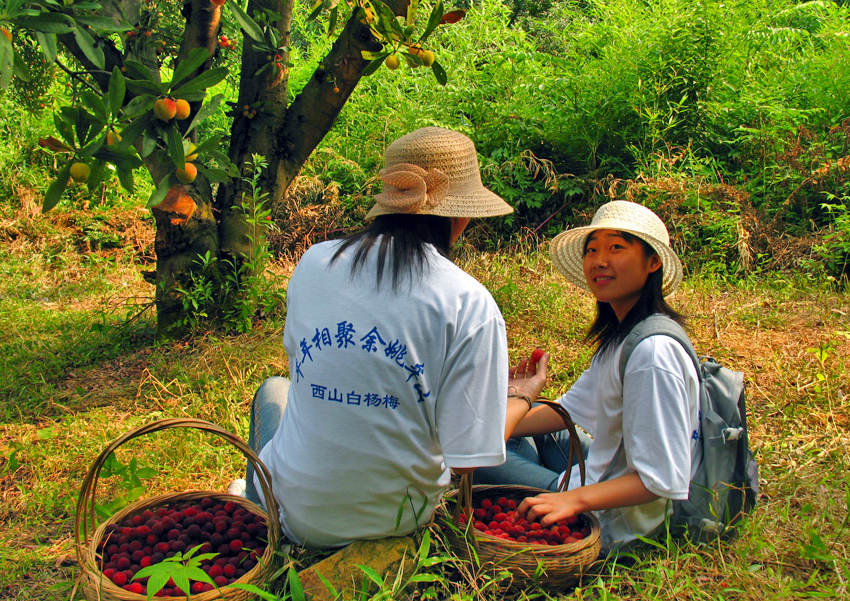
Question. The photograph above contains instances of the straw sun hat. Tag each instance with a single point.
(567, 248)
(434, 171)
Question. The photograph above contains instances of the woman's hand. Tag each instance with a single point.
(526, 379)
(550, 507)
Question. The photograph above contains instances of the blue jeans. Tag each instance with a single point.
(266, 412)
(533, 461)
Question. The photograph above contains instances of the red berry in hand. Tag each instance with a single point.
(536, 354)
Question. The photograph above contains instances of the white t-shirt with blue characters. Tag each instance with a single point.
(647, 426)
(389, 390)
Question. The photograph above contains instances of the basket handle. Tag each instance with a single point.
(85, 519)
(465, 487)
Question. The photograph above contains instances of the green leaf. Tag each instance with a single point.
(174, 142)
(296, 591)
(254, 589)
(139, 105)
(439, 73)
(63, 120)
(145, 87)
(200, 83)
(55, 190)
(131, 133)
(215, 175)
(249, 25)
(125, 176)
(370, 56)
(424, 578)
(117, 90)
(148, 144)
(52, 22)
(205, 111)
(425, 545)
(7, 62)
(136, 70)
(89, 47)
(95, 103)
(159, 194)
(332, 19)
(372, 574)
(103, 24)
(48, 44)
(21, 69)
(372, 67)
(433, 19)
(82, 124)
(195, 58)
(211, 144)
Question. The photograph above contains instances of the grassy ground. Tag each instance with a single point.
(79, 367)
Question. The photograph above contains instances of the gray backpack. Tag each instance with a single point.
(725, 474)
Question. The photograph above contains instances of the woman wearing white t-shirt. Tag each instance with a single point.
(642, 427)
(398, 368)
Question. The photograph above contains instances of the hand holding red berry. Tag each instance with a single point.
(528, 377)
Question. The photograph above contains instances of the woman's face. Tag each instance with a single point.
(616, 269)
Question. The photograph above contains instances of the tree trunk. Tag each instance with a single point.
(201, 239)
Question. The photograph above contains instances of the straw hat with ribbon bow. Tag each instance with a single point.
(434, 171)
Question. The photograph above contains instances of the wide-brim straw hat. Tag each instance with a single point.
(434, 171)
(567, 248)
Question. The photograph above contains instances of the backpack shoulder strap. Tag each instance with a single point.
(653, 325)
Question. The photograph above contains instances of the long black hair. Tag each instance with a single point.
(401, 244)
(608, 331)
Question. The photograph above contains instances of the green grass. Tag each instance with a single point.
(80, 369)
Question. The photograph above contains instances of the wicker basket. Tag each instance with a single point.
(97, 587)
(552, 565)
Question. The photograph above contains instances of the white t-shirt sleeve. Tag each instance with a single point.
(472, 405)
(658, 425)
(580, 400)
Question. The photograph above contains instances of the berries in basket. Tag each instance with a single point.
(499, 518)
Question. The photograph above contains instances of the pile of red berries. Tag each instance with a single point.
(499, 518)
(234, 533)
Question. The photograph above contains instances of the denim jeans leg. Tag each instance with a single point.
(266, 412)
(554, 449)
(521, 467)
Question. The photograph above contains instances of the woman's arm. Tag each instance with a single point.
(620, 492)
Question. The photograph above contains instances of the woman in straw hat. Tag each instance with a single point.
(642, 427)
(397, 358)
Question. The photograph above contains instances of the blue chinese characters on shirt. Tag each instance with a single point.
(345, 337)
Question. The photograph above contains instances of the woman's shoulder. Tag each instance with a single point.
(660, 351)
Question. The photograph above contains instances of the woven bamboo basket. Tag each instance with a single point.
(88, 536)
(551, 565)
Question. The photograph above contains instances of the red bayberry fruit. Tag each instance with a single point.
(486, 503)
(134, 587)
(197, 587)
(214, 571)
(230, 507)
(119, 578)
(228, 570)
(220, 580)
(123, 562)
(235, 545)
(536, 354)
